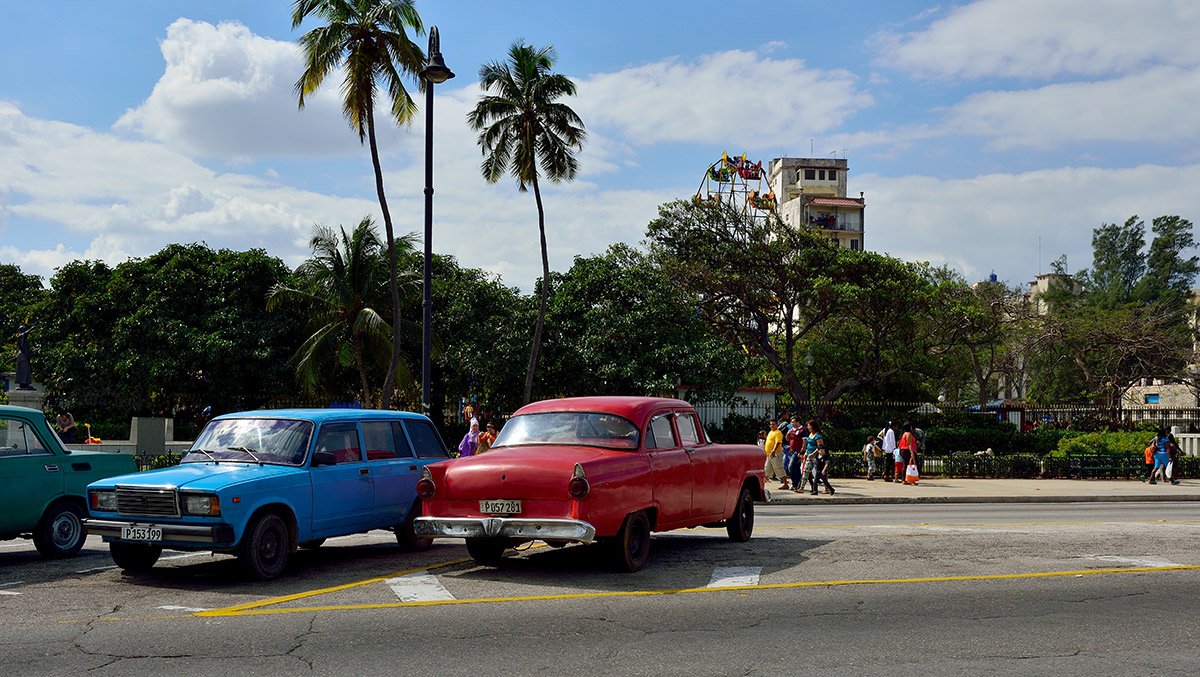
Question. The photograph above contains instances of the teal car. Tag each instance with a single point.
(260, 484)
(42, 483)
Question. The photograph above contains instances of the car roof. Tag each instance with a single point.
(326, 415)
(14, 409)
(633, 408)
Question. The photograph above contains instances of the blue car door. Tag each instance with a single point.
(343, 493)
(394, 469)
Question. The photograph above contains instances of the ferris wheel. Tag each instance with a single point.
(738, 183)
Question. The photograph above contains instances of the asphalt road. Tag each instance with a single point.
(1068, 589)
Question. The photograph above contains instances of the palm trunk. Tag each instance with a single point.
(541, 318)
(389, 380)
(362, 371)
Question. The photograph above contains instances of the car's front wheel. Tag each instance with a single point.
(134, 557)
(265, 547)
(631, 547)
(486, 550)
(740, 524)
(61, 532)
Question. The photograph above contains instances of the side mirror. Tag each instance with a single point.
(321, 458)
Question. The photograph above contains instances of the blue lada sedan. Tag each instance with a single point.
(259, 484)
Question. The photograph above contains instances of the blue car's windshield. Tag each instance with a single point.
(275, 441)
(569, 428)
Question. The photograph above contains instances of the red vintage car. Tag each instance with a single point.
(584, 469)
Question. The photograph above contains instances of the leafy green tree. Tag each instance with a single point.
(480, 334)
(759, 284)
(340, 289)
(369, 40)
(1170, 272)
(1117, 262)
(618, 325)
(523, 127)
(177, 330)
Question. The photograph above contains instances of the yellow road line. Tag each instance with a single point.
(256, 610)
(323, 591)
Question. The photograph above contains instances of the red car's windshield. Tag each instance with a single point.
(569, 428)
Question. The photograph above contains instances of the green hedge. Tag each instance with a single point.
(1104, 443)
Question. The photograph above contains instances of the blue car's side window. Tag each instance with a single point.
(341, 440)
(425, 439)
(385, 440)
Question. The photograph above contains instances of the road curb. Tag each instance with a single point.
(883, 500)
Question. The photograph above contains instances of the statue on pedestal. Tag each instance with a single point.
(24, 375)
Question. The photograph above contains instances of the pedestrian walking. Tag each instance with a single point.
(872, 454)
(908, 454)
(486, 438)
(774, 451)
(795, 464)
(887, 440)
(470, 441)
(1173, 466)
(818, 457)
(1162, 455)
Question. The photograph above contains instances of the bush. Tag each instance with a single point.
(1104, 443)
(737, 429)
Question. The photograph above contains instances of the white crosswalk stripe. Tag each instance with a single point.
(419, 587)
(723, 577)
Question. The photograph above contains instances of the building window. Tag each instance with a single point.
(853, 245)
(833, 175)
(810, 175)
(821, 174)
(1151, 398)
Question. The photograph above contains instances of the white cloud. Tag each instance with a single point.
(1040, 39)
(998, 221)
(734, 97)
(1146, 107)
(228, 93)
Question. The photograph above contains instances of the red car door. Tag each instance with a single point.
(670, 472)
(710, 473)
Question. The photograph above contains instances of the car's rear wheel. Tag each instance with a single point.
(406, 535)
(740, 524)
(134, 557)
(313, 544)
(265, 547)
(631, 547)
(61, 532)
(487, 551)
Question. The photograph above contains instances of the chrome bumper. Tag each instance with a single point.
(505, 527)
(219, 534)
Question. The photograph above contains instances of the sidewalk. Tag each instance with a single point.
(953, 490)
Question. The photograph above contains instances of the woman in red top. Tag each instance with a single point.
(908, 452)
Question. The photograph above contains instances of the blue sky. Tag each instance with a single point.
(989, 135)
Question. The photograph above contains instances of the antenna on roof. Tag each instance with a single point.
(810, 147)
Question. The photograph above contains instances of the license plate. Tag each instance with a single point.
(505, 507)
(141, 534)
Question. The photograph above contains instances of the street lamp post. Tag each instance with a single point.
(435, 72)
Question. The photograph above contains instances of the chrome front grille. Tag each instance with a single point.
(147, 502)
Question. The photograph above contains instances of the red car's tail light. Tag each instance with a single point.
(425, 486)
(426, 489)
(578, 487)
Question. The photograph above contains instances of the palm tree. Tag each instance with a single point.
(369, 39)
(522, 127)
(341, 289)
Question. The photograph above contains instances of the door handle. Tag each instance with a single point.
(412, 467)
(364, 471)
(50, 467)
(690, 450)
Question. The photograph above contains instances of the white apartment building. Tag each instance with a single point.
(811, 193)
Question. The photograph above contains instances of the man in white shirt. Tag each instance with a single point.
(887, 440)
